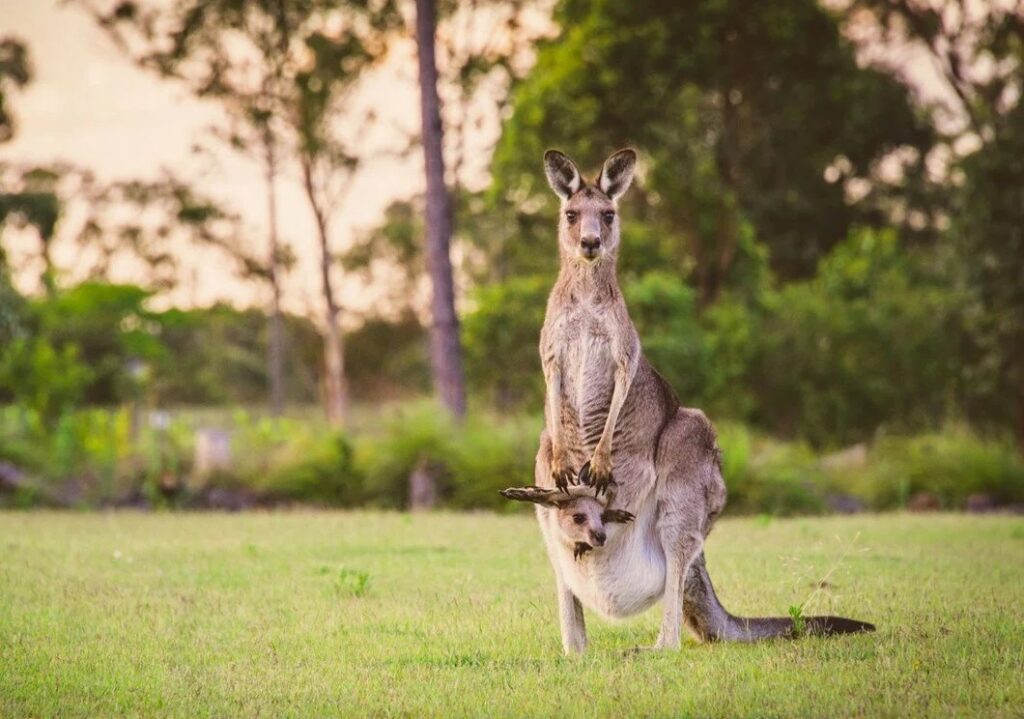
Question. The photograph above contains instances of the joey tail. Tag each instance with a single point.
(708, 619)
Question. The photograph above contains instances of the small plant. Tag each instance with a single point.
(352, 582)
(796, 613)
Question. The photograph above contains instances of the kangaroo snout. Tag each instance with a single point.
(590, 246)
(598, 538)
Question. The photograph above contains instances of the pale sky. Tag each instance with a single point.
(88, 105)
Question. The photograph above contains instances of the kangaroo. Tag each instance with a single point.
(615, 431)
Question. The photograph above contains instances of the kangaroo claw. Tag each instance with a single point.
(595, 478)
(585, 473)
(580, 549)
(617, 515)
(562, 477)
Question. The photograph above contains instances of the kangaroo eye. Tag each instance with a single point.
(609, 217)
(571, 216)
(579, 518)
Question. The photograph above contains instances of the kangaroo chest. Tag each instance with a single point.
(584, 337)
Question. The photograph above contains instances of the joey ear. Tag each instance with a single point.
(537, 495)
(617, 173)
(616, 515)
(563, 175)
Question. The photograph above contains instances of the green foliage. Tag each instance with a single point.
(664, 310)
(387, 358)
(217, 355)
(989, 236)
(950, 465)
(107, 328)
(42, 378)
(738, 127)
(767, 476)
(415, 435)
(314, 468)
(500, 336)
(470, 462)
(865, 343)
(796, 613)
(94, 457)
(487, 455)
(351, 582)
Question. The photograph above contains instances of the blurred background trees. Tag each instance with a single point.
(818, 252)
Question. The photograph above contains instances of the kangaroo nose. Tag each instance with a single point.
(590, 243)
(599, 538)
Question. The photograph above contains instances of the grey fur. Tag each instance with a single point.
(608, 414)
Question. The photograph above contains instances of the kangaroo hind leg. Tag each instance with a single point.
(690, 494)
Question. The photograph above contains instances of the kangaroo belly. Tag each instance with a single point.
(621, 579)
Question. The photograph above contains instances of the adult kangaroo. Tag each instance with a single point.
(616, 433)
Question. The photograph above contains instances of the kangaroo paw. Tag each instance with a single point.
(595, 477)
(562, 477)
(617, 515)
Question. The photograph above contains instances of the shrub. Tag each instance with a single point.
(417, 433)
(314, 468)
(488, 455)
(766, 476)
(870, 341)
(951, 465)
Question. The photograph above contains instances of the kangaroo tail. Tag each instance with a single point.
(708, 619)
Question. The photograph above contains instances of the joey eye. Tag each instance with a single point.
(571, 216)
(579, 518)
(609, 217)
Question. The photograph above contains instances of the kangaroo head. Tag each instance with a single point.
(582, 518)
(588, 228)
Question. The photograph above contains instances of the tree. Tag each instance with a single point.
(30, 200)
(15, 73)
(329, 164)
(283, 68)
(235, 53)
(979, 53)
(445, 350)
(151, 224)
(754, 118)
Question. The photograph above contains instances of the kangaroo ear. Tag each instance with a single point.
(617, 173)
(537, 495)
(563, 175)
(616, 515)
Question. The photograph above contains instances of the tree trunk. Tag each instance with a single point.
(445, 351)
(49, 277)
(275, 343)
(1018, 387)
(335, 388)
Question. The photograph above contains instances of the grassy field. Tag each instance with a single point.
(360, 614)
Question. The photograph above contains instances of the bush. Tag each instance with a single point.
(766, 476)
(871, 341)
(488, 455)
(318, 469)
(417, 433)
(951, 465)
(90, 458)
(470, 462)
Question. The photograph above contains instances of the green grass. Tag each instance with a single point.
(360, 614)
